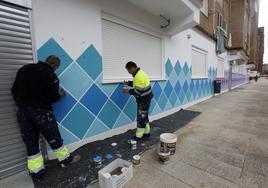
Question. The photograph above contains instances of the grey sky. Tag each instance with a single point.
(263, 21)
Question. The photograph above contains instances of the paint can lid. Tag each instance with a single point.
(109, 156)
(133, 142)
(136, 157)
(114, 144)
(98, 159)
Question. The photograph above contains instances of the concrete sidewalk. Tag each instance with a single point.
(225, 146)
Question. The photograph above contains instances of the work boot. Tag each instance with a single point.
(39, 175)
(67, 160)
(137, 138)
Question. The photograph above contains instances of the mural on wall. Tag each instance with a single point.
(92, 108)
(237, 79)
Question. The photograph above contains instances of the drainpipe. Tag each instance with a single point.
(230, 76)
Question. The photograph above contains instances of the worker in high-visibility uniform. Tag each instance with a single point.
(35, 89)
(141, 89)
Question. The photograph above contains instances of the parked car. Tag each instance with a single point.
(254, 75)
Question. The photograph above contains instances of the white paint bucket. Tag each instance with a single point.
(168, 143)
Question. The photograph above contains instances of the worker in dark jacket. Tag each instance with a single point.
(141, 89)
(35, 89)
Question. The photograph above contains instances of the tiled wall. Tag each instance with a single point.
(237, 79)
(91, 108)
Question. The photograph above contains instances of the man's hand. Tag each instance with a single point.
(125, 82)
(125, 90)
(62, 93)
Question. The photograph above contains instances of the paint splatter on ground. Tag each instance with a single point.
(83, 172)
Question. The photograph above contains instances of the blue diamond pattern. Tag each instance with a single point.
(107, 88)
(94, 99)
(169, 67)
(188, 95)
(131, 109)
(153, 103)
(78, 121)
(162, 101)
(91, 62)
(185, 87)
(192, 85)
(182, 78)
(109, 114)
(156, 110)
(178, 68)
(173, 78)
(178, 102)
(119, 98)
(168, 89)
(201, 84)
(75, 81)
(67, 136)
(186, 69)
(178, 88)
(209, 72)
(81, 121)
(62, 107)
(168, 106)
(96, 128)
(157, 91)
(181, 96)
(173, 98)
(51, 47)
(122, 121)
(162, 84)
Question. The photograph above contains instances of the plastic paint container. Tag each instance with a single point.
(136, 159)
(168, 143)
(98, 162)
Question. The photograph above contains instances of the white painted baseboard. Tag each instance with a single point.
(239, 85)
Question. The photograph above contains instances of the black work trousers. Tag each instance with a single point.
(143, 107)
(32, 122)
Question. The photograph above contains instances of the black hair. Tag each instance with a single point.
(52, 60)
(131, 64)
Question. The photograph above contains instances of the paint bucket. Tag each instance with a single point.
(168, 143)
(136, 159)
(164, 157)
(97, 161)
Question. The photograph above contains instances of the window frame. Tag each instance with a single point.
(220, 60)
(120, 21)
(199, 50)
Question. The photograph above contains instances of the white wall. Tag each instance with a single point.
(73, 24)
(179, 47)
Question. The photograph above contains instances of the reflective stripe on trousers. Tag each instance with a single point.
(35, 163)
(140, 132)
(62, 153)
(147, 129)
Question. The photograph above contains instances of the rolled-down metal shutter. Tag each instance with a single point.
(16, 50)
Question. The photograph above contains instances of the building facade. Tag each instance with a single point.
(226, 23)
(94, 40)
(260, 50)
